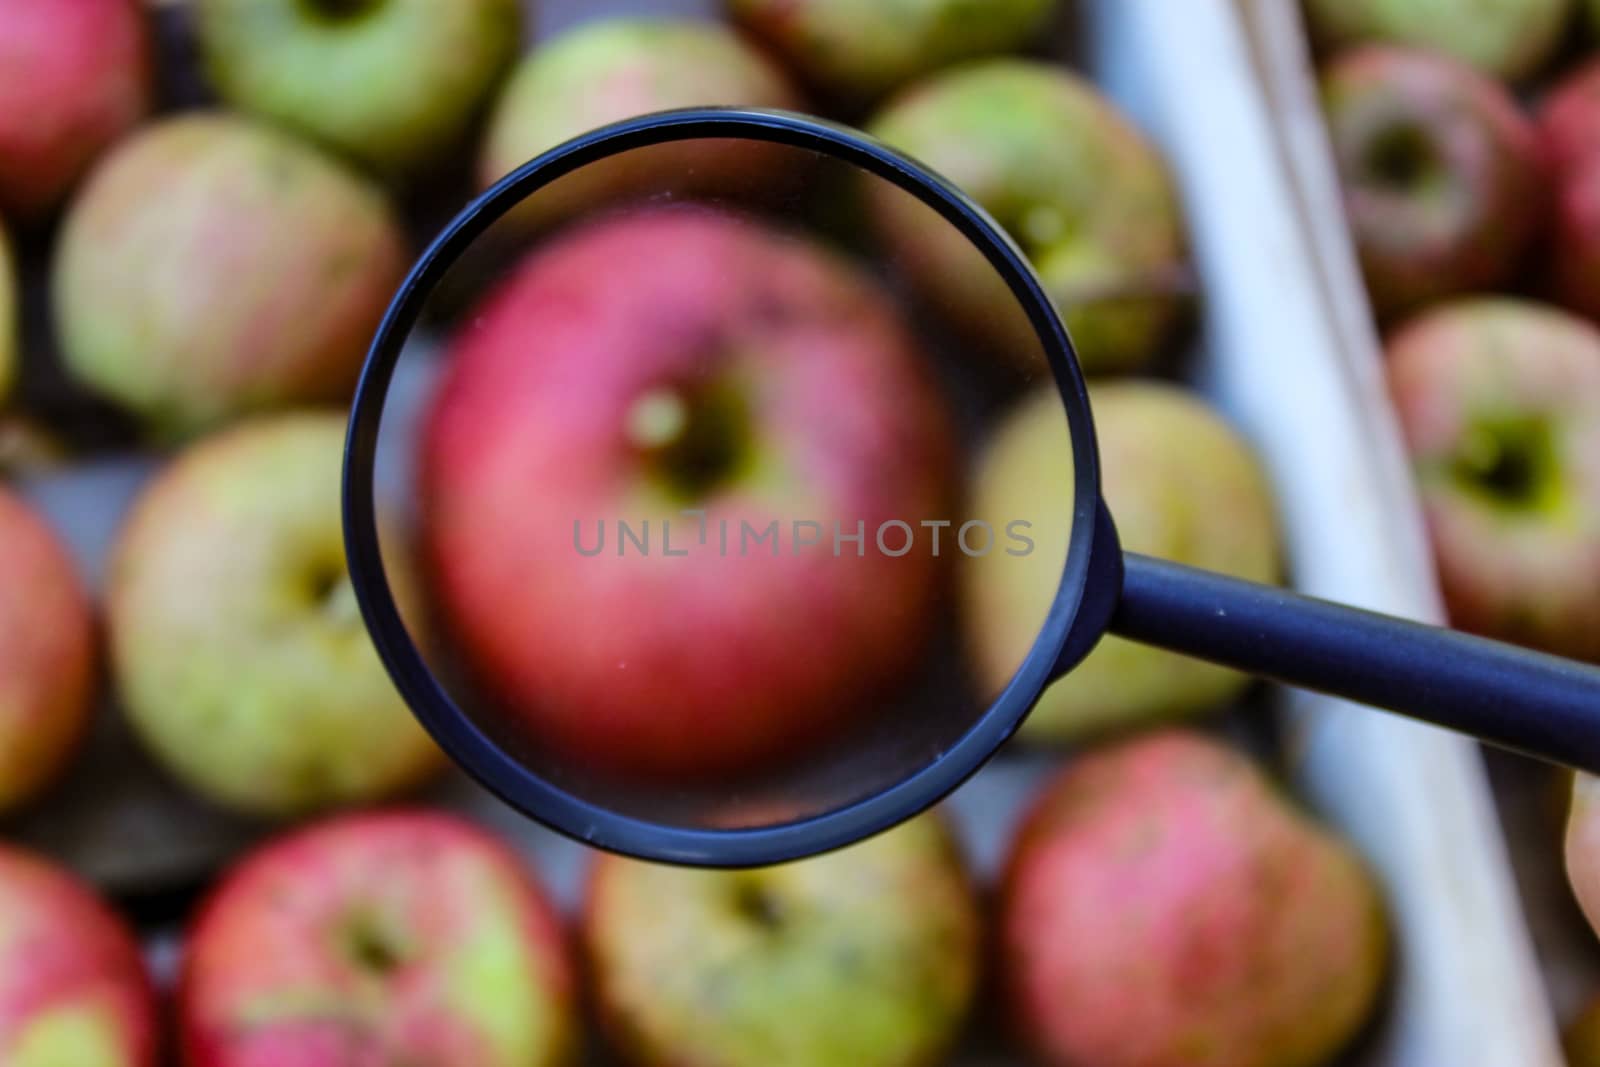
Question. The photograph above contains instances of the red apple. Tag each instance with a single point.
(74, 76)
(1442, 176)
(388, 938)
(866, 957)
(1569, 121)
(46, 654)
(73, 989)
(1500, 403)
(213, 266)
(669, 360)
(1163, 907)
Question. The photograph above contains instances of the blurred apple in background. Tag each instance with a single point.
(73, 989)
(605, 71)
(1583, 849)
(392, 83)
(1503, 38)
(1181, 485)
(1569, 120)
(10, 314)
(47, 669)
(386, 938)
(672, 359)
(238, 647)
(74, 76)
(1500, 403)
(1164, 907)
(853, 52)
(868, 956)
(1443, 181)
(1076, 185)
(214, 266)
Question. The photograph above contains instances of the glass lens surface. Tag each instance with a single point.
(690, 497)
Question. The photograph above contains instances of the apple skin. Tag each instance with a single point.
(1081, 190)
(868, 956)
(1163, 907)
(854, 52)
(1499, 400)
(1569, 122)
(1181, 484)
(391, 83)
(1502, 38)
(213, 266)
(613, 69)
(75, 75)
(10, 336)
(73, 988)
(378, 938)
(238, 648)
(1444, 184)
(680, 667)
(47, 654)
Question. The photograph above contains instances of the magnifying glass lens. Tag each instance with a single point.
(675, 483)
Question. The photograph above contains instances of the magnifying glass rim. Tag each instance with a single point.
(540, 799)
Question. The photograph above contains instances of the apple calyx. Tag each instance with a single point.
(692, 438)
(758, 906)
(373, 946)
(1511, 462)
(1403, 157)
(338, 10)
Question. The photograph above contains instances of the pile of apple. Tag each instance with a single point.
(215, 275)
(1467, 137)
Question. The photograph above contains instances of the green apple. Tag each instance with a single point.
(1078, 187)
(392, 83)
(867, 956)
(1506, 38)
(855, 52)
(236, 641)
(215, 266)
(614, 69)
(8, 318)
(1181, 485)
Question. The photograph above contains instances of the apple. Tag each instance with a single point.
(238, 648)
(1583, 845)
(1499, 400)
(1164, 907)
(380, 938)
(1582, 1037)
(868, 956)
(1078, 187)
(392, 83)
(73, 988)
(1569, 122)
(213, 266)
(1502, 38)
(47, 669)
(855, 52)
(1181, 484)
(1443, 182)
(75, 75)
(613, 69)
(658, 362)
(9, 327)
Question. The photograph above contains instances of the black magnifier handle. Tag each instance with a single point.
(1528, 701)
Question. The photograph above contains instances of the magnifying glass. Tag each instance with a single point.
(659, 505)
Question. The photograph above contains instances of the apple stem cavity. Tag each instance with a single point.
(338, 10)
(758, 906)
(693, 438)
(1402, 157)
(1509, 462)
